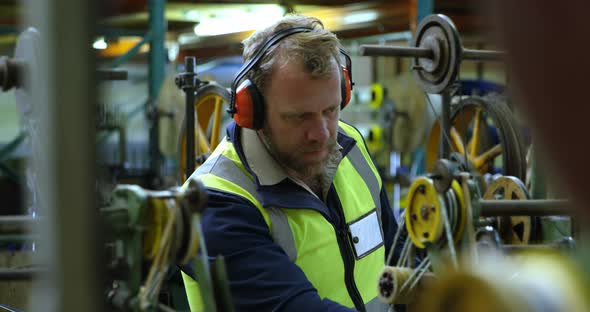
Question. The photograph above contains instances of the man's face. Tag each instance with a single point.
(302, 117)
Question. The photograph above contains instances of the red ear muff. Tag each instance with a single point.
(249, 106)
(346, 84)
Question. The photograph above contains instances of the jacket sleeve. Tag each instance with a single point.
(261, 276)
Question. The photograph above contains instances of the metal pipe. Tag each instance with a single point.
(483, 55)
(20, 274)
(380, 50)
(68, 247)
(16, 224)
(533, 207)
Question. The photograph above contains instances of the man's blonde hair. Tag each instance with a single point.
(316, 49)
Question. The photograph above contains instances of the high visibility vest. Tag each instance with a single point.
(357, 184)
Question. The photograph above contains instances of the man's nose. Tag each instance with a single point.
(317, 130)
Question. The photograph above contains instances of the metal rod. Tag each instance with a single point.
(468, 54)
(156, 74)
(380, 50)
(483, 55)
(111, 74)
(189, 89)
(520, 248)
(17, 238)
(19, 274)
(533, 207)
(446, 125)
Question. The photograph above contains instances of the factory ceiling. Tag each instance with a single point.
(199, 27)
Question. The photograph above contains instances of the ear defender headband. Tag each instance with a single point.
(247, 103)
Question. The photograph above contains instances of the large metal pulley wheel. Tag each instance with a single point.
(210, 100)
(438, 34)
(515, 230)
(482, 129)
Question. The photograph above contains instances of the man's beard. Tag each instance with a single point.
(318, 171)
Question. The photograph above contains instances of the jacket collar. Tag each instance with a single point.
(274, 186)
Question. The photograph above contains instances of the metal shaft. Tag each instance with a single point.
(380, 50)
(111, 74)
(533, 207)
(189, 63)
(482, 55)
(468, 54)
(10, 73)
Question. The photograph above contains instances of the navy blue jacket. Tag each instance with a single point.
(262, 278)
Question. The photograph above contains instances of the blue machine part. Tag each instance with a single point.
(480, 87)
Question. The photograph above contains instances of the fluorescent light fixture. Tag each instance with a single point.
(173, 49)
(360, 17)
(192, 15)
(234, 20)
(100, 44)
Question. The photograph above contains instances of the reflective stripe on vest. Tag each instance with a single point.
(358, 161)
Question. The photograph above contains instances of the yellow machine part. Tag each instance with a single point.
(375, 139)
(209, 112)
(477, 150)
(526, 283)
(423, 217)
(195, 239)
(462, 210)
(377, 95)
(515, 230)
(156, 217)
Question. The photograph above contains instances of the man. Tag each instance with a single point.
(296, 205)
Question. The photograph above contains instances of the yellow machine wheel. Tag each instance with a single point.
(516, 230)
(462, 210)
(477, 121)
(423, 214)
(209, 111)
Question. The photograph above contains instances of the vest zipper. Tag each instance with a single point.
(348, 258)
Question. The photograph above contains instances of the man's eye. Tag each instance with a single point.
(330, 110)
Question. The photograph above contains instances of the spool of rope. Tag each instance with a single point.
(390, 285)
(394, 287)
(540, 281)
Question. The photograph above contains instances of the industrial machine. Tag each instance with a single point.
(472, 237)
(149, 234)
(146, 234)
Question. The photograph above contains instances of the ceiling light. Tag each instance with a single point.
(360, 17)
(100, 44)
(234, 20)
(173, 49)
